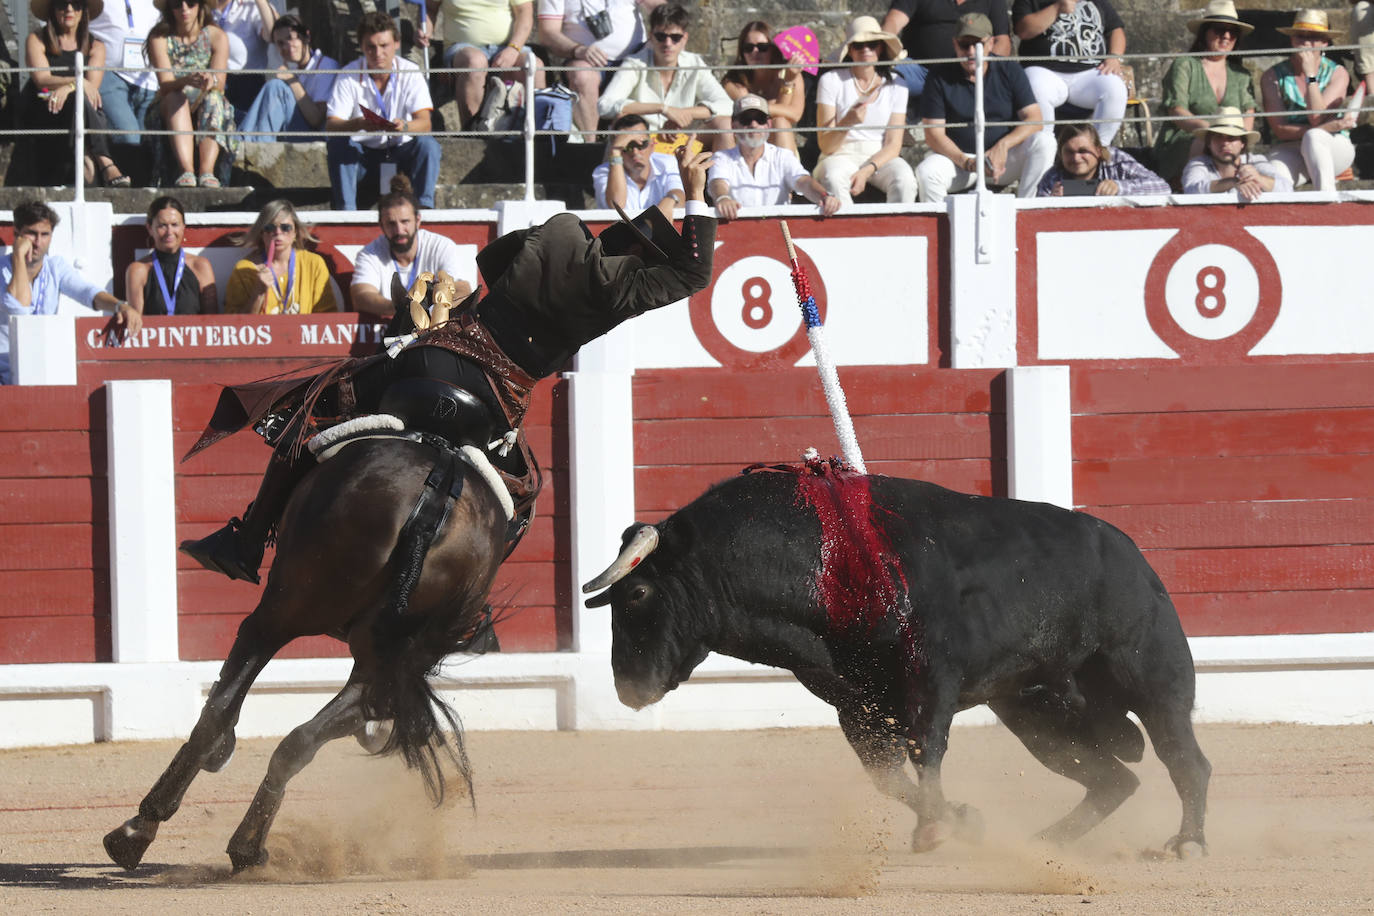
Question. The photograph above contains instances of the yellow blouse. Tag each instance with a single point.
(310, 288)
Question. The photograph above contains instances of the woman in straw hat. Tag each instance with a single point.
(50, 96)
(1314, 142)
(1196, 87)
(861, 114)
(1226, 163)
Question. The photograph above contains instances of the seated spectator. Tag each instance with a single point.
(35, 280)
(1096, 169)
(1076, 34)
(399, 104)
(633, 176)
(402, 250)
(1196, 87)
(593, 42)
(1362, 34)
(757, 173)
(1313, 143)
(169, 281)
(247, 25)
(296, 99)
(1227, 164)
(186, 47)
(480, 34)
(678, 92)
(783, 90)
(861, 114)
(279, 276)
(127, 94)
(1021, 154)
(50, 95)
(927, 28)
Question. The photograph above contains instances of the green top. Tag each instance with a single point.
(1186, 86)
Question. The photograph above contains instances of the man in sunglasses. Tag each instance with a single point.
(927, 27)
(757, 173)
(633, 176)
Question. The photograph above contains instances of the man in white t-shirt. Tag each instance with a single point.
(392, 104)
(757, 173)
(593, 36)
(632, 174)
(405, 250)
(123, 26)
(296, 99)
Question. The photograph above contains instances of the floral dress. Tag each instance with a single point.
(214, 113)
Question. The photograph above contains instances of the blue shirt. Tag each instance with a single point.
(948, 97)
(56, 278)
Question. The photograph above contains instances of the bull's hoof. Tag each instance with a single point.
(374, 735)
(1186, 848)
(924, 839)
(126, 843)
(968, 824)
(242, 859)
(224, 752)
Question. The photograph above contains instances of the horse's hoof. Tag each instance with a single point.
(242, 859)
(924, 839)
(1186, 848)
(126, 843)
(374, 735)
(223, 753)
(968, 824)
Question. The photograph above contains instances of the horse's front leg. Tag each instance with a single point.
(209, 746)
(341, 716)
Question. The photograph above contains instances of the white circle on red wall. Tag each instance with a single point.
(1212, 292)
(753, 305)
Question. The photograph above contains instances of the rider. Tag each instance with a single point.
(551, 289)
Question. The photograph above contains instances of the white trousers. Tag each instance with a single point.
(894, 178)
(1319, 157)
(1104, 94)
(1027, 162)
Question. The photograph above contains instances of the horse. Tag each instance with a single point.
(390, 546)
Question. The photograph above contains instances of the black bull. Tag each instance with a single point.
(900, 603)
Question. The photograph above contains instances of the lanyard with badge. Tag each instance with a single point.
(287, 307)
(38, 290)
(133, 47)
(167, 295)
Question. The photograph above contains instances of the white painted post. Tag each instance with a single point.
(1039, 435)
(521, 214)
(143, 573)
(982, 263)
(42, 349)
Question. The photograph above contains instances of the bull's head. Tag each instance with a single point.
(657, 638)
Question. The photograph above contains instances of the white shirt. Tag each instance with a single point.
(406, 95)
(627, 30)
(692, 85)
(837, 88)
(663, 177)
(242, 22)
(375, 267)
(132, 20)
(775, 176)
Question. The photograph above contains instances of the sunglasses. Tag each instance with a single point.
(966, 43)
(283, 228)
(866, 45)
(77, 5)
(190, 3)
(635, 146)
(752, 118)
(1225, 31)
(754, 46)
(671, 38)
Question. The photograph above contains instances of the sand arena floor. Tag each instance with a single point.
(762, 822)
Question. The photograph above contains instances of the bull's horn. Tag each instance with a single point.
(640, 546)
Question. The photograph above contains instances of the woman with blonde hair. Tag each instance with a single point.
(190, 54)
(279, 276)
(783, 88)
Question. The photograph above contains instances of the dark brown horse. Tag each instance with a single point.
(390, 546)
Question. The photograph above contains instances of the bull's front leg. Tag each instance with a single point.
(937, 820)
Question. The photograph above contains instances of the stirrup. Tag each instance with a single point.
(220, 552)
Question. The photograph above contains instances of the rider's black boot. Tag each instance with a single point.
(236, 549)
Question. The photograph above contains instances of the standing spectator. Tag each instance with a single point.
(1226, 163)
(1362, 34)
(279, 276)
(1196, 87)
(398, 95)
(248, 26)
(478, 33)
(35, 280)
(1075, 34)
(1313, 143)
(1106, 171)
(669, 87)
(861, 113)
(783, 90)
(126, 95)
(593, 37)
(1022, 154)
(297, 98)
(757, 173)
(50, 95)
(190, 53)
(169, 281)
(633, 176)
(403, 250)
(927, 27)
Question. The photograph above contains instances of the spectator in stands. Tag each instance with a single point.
(403, 250)
(1196, 87)
(1085, 39)
(861, 113)
(127, 95)
(170, 281)
(757, 173)
(680, 94)
(593, 39)
(50, 94)
(1313, 143)
(279, 276)
(480, 34)
(1022, 154)
(1085, 166)
(1362, 34)
(248, 26)
(1226, 162)
(632, 175)
(35, 280)
(783, 90)
(394, 101)
(296, 99)
(927, 28)
(190, 53)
